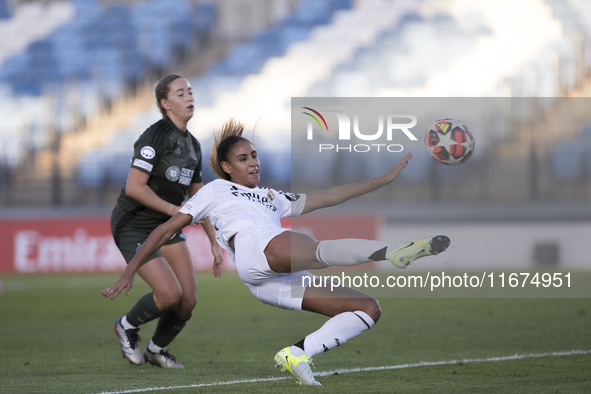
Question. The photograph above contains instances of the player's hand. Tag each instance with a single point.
(124, 282)
(218, 259)
(395, 170)
(198, 222)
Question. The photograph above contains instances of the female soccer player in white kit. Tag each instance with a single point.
(271, 260)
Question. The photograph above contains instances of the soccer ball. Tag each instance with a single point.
(449, 141)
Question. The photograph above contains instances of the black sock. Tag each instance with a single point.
(169, 325)
(143, 311)
(300, 344)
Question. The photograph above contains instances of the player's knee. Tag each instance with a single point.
(372, 308)
(170, 297)
(188, 301)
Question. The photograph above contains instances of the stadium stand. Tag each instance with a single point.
(224, 76)
(323, 48)
(102, 51)
(249, 58)
(73, 63)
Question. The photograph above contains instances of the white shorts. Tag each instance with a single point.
(281, 290)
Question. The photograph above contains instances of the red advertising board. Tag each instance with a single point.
(86, 245)
(323, 227)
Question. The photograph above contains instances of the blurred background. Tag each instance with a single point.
(77, 77)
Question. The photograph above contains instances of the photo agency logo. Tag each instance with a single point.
(358, 141)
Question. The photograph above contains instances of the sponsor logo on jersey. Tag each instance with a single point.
(173, 173)
(143, 164)
(186, 176)
(252, 196)
(291, 196)
(148, 152)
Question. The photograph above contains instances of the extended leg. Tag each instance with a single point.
(292, 251)
(351, 311)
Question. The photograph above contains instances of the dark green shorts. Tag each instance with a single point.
(130, 231)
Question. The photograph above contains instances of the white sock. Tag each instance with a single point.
(349, 252)
(126, 324)
(154, 348)
(335, 332)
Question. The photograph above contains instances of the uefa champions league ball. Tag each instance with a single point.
(449, 141)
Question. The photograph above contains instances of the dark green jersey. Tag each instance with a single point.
(172, 158)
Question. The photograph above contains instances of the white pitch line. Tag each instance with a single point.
(368, 369)
(435, 363)
(190, 386)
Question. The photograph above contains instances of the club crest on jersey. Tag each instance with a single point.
(148, 152)
(173, 173)
(270, 196)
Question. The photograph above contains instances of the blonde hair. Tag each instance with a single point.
(224, 140)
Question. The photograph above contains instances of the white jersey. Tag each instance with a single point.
(232, 208)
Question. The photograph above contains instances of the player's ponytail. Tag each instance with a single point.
(224, 140)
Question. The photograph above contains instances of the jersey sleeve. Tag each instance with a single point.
(200, 204)
(291, 204)
(198, 174)
(146, 152)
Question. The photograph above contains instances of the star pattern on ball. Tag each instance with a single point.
(441, 151)
(445, 140)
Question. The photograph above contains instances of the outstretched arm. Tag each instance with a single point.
(339, 194)
(157, 238)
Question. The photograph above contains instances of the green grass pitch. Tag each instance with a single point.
(56, 337)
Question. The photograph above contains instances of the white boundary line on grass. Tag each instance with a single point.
(368, 369)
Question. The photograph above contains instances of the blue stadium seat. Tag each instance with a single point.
(204, 17)
(103, 49)
(341, 4)
(411, 17)
(290, 35)
(244, 59)
(585, 136)
(108, 71)
(133, 66)
(24, 85)
(250, 57)
(117, 23)
(15, 63)
(86, 9)
(4, 10)
(70, 51)
(90, 171)
(567, 159)
(312, 12)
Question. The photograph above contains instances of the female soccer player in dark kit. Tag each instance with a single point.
(272, 261)
(165, 169)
